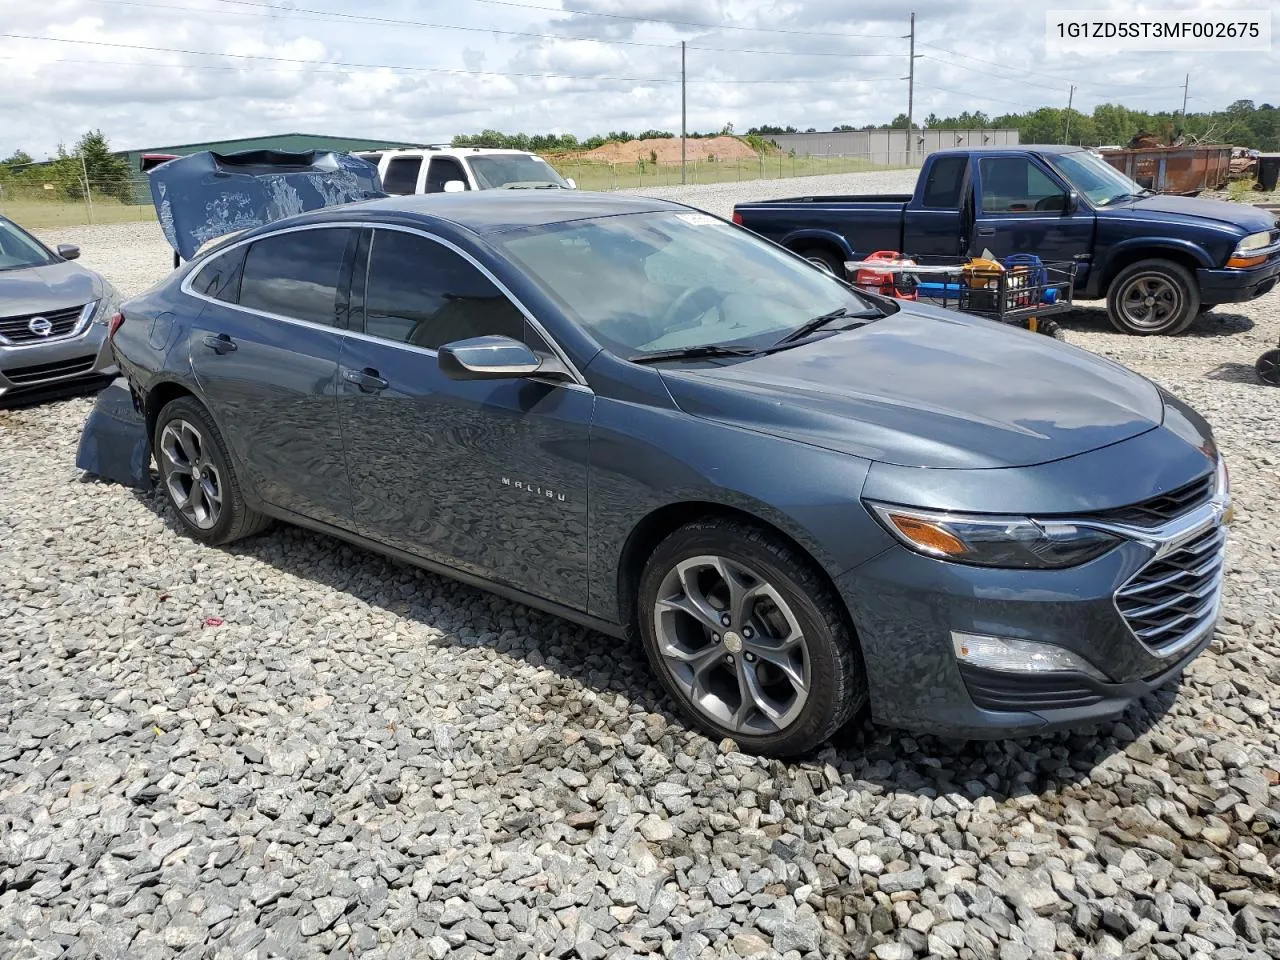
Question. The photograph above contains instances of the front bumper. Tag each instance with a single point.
(1235, 286)
(905, 607)
(31, 368)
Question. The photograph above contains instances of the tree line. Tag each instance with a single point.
(108, 173)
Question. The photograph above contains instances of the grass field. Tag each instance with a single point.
(41, 214)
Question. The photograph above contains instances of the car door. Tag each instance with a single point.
(1022, 207)
(441, 171)
(486, 476)
(265, 355)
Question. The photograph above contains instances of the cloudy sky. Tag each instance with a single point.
(158, 72)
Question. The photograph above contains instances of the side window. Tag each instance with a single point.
(441, 171)
(402, 175)
(1016, 185)
(370, 157)
(946, 176)
(220, 277)
(296, 274)
(420, 292)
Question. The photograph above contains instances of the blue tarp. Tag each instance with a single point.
(209, 195)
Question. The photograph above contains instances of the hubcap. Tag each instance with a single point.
(732, 645)
(1150, 302)
(193, 482)
(820, 264)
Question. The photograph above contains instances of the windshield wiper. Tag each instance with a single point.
(818, 322)
(694, 353)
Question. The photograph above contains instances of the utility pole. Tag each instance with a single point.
(683, 115)
(1066, 137)
(1185, 85)
(911, 87)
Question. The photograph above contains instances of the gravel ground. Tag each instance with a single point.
(293, 748)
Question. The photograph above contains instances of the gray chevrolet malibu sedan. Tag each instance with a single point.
(799, 498)
(53, 317)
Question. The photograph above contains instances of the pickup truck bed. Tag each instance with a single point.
(1126, 244)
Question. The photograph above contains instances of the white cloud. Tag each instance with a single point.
(51, 92)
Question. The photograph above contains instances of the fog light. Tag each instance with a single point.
(1019, 656)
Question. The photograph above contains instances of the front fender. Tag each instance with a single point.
(1141, 248)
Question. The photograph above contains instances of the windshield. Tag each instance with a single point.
(19, 249)
(1094, 178)
(653, 282)
(513, 170)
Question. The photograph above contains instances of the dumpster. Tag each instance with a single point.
(1184, 170)
(1268, 170)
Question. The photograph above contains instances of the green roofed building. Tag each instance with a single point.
(287, 142)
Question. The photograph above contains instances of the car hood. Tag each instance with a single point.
(207, 195)
(929, 388)
(1242, 216)
(54, 286)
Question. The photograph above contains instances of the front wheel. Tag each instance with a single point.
(748, 638)
(1153, 297)
(1268, 367)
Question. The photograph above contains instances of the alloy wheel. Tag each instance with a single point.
(821, 264)
(1151, 302)
(732, 644)
(193, 482)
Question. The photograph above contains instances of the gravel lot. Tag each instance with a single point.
(291, 748)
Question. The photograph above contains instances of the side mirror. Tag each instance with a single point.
(488, 358)
(68, 251)
(454, 186)
(573, 184)
(1073, 202)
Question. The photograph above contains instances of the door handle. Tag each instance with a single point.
(986, 231)
(366, 379)
(220, 344)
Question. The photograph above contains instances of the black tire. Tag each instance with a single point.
(1175, 303)
(1268, 367)
(824, 259)
(234, 519)
(1051, 328)
(837, 685)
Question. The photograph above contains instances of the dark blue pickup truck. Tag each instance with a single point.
(1158, 260)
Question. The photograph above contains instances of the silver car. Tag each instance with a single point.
(53, 317)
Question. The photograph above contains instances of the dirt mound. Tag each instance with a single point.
(668, 151)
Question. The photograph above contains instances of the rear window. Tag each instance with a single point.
(296, 274)
(946, 177)
(402, 175)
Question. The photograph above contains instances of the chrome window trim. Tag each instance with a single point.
(579, 381)
(79, 330)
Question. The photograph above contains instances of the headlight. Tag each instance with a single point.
(1014, 542)
(1255, 241)
(108, 305)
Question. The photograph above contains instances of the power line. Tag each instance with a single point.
(311, 15)
(979, 96)
(445, 70)
(1037, 73)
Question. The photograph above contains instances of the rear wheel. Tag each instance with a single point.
(748, 639)
(1268, 367)
(197, 475)
(1153, 297)
(824, 260)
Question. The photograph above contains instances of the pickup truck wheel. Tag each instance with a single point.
(824, 260)
(749, 640)
(1153, 296)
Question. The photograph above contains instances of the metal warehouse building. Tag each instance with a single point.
(289, 142)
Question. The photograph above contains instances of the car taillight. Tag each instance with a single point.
(113, 324)
(737, 218)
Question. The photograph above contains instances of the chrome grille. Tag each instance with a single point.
(38, 373)
(62, 323)
(1174, 597)
(1165, 507)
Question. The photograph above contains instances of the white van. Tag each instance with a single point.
(448, 169)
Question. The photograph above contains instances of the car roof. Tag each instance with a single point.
(489, 211)
(445, 151)
(1049, 148)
